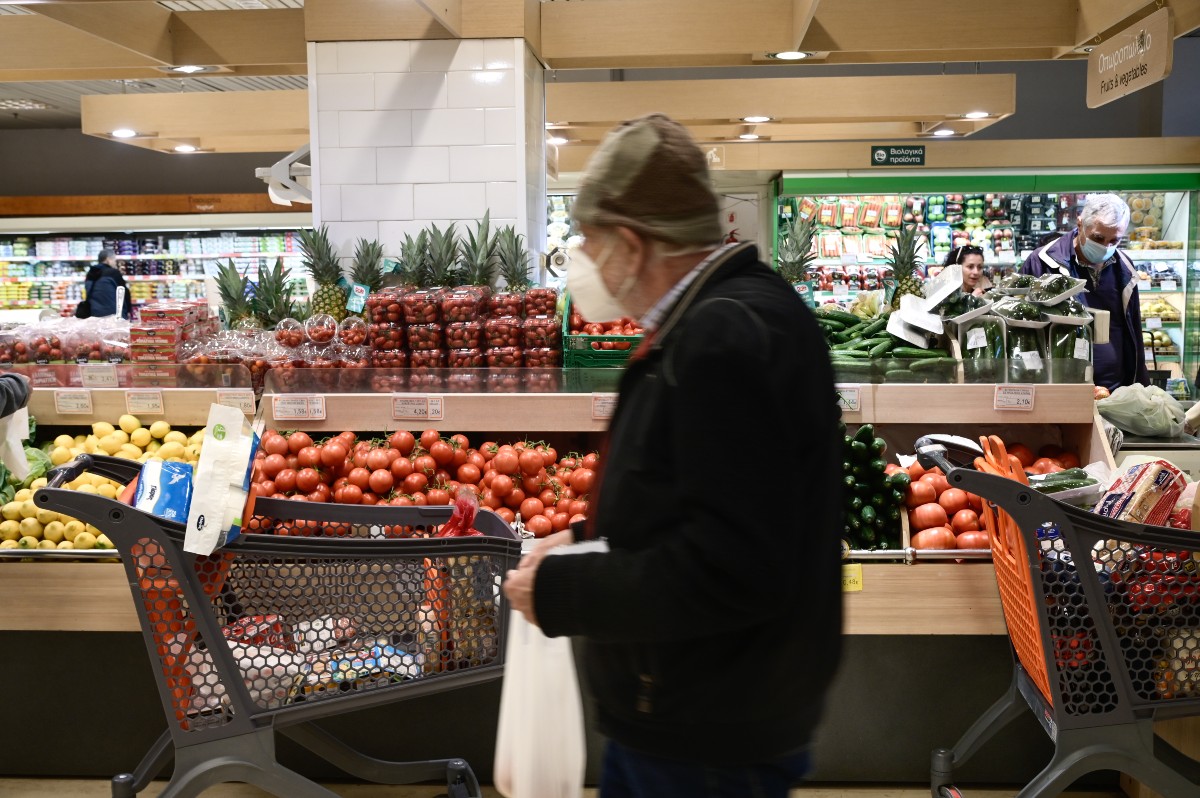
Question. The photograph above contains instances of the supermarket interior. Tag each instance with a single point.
(335, 249)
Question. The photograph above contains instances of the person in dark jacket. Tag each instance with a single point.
(712, 626)
(1090, 252)
(100, 287)
(14, 393)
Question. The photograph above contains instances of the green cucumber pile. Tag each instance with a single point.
(873, 500)
(863, 351)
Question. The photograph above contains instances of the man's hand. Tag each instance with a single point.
(518, 584)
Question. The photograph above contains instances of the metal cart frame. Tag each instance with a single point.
(236, 740)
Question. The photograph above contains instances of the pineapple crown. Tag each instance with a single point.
(234, 287)
(414, 259)
(319, 257)
(443, 255)
(272, 301)
(796, 250)
(514, 258)
(477, 253)
(368, 264)
(903, 256)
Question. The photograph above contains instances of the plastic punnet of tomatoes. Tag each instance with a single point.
(425, 337)
(386, 337)
(465, 359)
(507, 303)
(384, 307)
(464, 304)
(427, 359)
(542, 331)
(389, 359)
(352, 331)
(321, 329)
(464, 334)
(289, 333)
(431, 379)
(541, 302)
(261, 360)
(503, 331)
(83, 346)
(7, 341)
(540, 380)
(355, 362)
(389, 380)
(505, 356)
(543, 357)
(469, 381)
(505, 380)
(423, 306)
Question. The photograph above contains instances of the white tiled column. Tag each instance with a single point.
(405, 134)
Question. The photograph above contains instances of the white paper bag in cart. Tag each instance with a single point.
(222, 481)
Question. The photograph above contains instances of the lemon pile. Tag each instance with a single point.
(26, 526)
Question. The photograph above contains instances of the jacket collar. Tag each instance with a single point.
(1059, 255)
(728, 261)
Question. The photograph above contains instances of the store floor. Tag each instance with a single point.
(93, 788)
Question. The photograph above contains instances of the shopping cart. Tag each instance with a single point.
(272, 633)
(1104, 621)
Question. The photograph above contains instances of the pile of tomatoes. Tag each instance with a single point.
(526, 478)
(577, 325)
(939, 516)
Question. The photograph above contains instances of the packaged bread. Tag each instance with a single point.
(1144, 493)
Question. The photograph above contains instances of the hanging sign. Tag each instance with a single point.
(884, 155)
(1133, 59)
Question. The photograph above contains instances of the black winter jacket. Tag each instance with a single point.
(100, 286)
(713, 625)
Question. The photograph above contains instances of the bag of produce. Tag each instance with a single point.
(1026, 355)
(982, 341)
(1070, 353)
(1051, 289)
(1139, 410)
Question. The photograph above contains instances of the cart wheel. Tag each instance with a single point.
(122, 786)
(949, 792)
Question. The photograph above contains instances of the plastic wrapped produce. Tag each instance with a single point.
(503, 331)
(464, 304)
(386, 337)
(289, 333)
(505, 380)
(356, 360)
(423, 306)
(541, 302)
(1026, 355)
(321, 329)
(464, 334)
(384, 307)
(506, 356)
(389, 359)
(425, 336)
(427, 359)
(1070, 353)
(543, 357)
(507, 303)
(465, 359)
(542, 332)
(352, 331)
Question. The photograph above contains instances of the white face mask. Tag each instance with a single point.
(592, 297)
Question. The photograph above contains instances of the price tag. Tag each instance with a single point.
(1083, 350)
(101, 375)
(298, 408)
(841, 289)
(852, 578)
(1032, 360)
(1153, 323)
(144, 403)
(603, 406)
(417, 407)
(1168, 285)
(73, 402)
(240, 398)
(1013, 397)
(1148, 353)
(976, 338)
(1143, 285)
(849, 397)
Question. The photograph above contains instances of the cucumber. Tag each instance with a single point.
(899, 480)
(849, 481)
(1058, 487)
(878, 464)
(860, 451)
(840, 316)
(879, 446)
(868, 515)
(911, 352)
(932, 364)
(865, 433)
(875, 326)
(831, 325)
(855, 504)
(899, 375)
(879, 349)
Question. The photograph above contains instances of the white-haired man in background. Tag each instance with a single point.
(1090, 252)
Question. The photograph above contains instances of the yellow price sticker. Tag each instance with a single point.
(852, 578)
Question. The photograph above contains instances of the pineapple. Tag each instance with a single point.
(234, 287)
(322, 265)
(478, 251)
(513, 257)
(443, 256)
(906, 264)
(795, 250)
(273, 296)
(368, 265)
(414, 259)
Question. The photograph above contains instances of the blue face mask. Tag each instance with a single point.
(1095, 252)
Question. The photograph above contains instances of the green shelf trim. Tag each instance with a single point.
(982, 184)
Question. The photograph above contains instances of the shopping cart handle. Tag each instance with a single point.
(114, 468)
(946, 451)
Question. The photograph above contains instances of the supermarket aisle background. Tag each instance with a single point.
(89, 788)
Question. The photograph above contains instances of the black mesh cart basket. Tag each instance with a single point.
(353, 608)
(1104, 621)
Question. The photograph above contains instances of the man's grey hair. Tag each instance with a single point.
(1107, 209)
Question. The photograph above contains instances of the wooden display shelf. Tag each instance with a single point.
(896, 599)
(968, 404)
(182, 407)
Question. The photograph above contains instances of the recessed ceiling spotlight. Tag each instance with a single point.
(190, 69)
(124, 133)
(943, 132)
(184, 148)
(557, 141)
(756, 120)
(748, 136)
(790, 55)
(977, 115)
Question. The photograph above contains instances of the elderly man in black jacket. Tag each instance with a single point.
(712, 626)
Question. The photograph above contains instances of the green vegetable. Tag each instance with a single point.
(840, 316)
(882, 347)
(911, 352)
(868, 514)
(865, 433)
(879, 446)
(899, 480)
(39, 464)
(983, 350)
(1026, 357)
(860, 450)
(1066, 367)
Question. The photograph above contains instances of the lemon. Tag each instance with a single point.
(84, 540)
(80, 440)
(73, 528)
(31, 528)
(159, 429)
(27, 542)
(11, 511)
(170, 450)
(133, 450)
(64, 441)
(191, 451)
(9, 544)
(153, 446)
(175, 436)
(140, 437)
(23, 495)
(46, 544)
(45, 516)
(120, 435)
(65, 544)
(176, 460)
(29, 509)
(129, 423)
(102, 428)
(197, 437)
(54, 531)
(40, 482)
(110, 444)
(87, 489)
(60, 455)
(102, 542)
(10, 530)
(107, 491)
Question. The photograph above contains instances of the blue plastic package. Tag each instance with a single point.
(165, 490)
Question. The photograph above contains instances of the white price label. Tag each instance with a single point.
(841, 289)
(73, 402)
(1013, 397)
(1032, 360)
(849, 397)
(1168, 285)
(101, 375)
(242, 399)
(144, 403)
(1143, 285)
(976, 338)
(603, 406)
(1148, 353)
(298, 408)
(1083, 350)
(417, 407)
(1154, 323)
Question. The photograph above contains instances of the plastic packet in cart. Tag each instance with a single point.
(339, 670)
(164, 490)
(222, 493)
(1144, 493)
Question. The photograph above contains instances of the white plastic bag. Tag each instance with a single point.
(222, 481)
(1138, 410)
(540, 749)
(14, 430)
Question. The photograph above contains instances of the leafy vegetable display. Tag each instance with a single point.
(863, 351)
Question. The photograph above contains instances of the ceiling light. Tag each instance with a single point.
(943, 132)
(789, 55)
(756, 120)
(184, 148)
(190, 69)
(23, 105)
(124, 133)
(977, 115)
(748, 136)
(557, 141)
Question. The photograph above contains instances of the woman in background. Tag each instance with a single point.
(970, 258)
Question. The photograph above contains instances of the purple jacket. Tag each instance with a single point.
(1111, 369)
